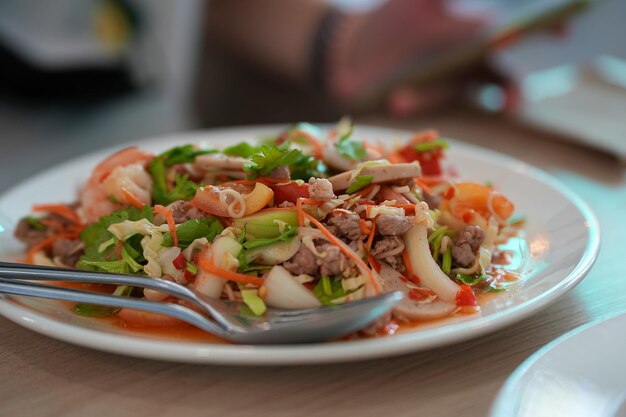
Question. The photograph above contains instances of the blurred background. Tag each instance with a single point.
(77, 76)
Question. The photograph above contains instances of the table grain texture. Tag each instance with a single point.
(45, 377)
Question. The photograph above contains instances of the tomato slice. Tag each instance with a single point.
(466, 297)
(289, 192)
(207, 198)
(430, 161)
(180, 262)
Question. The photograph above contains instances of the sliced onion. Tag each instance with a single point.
(408, 309)
(224, 248)
(429, 273)
(276, 253)
(284, 291)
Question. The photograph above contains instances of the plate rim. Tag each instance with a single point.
(502, 405)
(344, 351)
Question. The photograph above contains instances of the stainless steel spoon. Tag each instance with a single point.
(222, 318)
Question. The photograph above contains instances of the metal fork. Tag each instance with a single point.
(219, 317)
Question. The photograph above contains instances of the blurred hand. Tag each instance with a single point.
(394, 36)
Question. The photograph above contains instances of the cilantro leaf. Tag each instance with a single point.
(270, 157)
(306, 167)
(95, 235)
(360, 182)
(349, 148)
(96, 310)
(470, 279)
(432, 145)
(289, 233)
(242, 149)
(495, 288)
(191, 230)
(184, 189)
(183, 155)
(114, 267)
(35, 223)
(244, 264)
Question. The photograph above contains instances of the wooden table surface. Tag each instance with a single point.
(45, 377)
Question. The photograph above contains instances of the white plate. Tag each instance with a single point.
(561, 232)
(580, 374)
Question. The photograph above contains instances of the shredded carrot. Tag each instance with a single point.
(53, 224)
(449, 193)
(132, 200)
(311, 202)
(375, 264)
(308, 201)
(364, 227)
(373, 147)
(365, 191)
(272, 181)
(424, 186)
(169, 217)
(424, 137)
(370, 238)
(300, 212)
(75, 229)
(318, 151)
(243, 182)
(346, 250)
(227, 275)
(432, 179)
(408, 208)
(408, 264)
(396, 158)
(44, 244)
(60, 210)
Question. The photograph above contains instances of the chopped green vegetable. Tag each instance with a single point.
(435, 238)
(184, 189)
(262, 224)
(470, 279)
(191, 230)
(245, 266)
(330, 289)
(360, 182)
(242, 149)
(442, 230)
(271, 157)
(349, 148)
(130, 261)
(429, 146)
(289, 233)
(35, 223)
(113, 267)
(100, 244)
(96, 310)
(305, 167)
(494, 288)
(253, 301)
(191, 268)
(446, 261)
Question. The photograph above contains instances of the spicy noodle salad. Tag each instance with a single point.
(303, 219)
